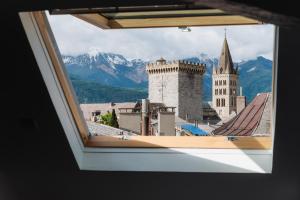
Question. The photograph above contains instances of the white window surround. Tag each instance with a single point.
(145, 159)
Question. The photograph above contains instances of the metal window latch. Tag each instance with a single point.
(124, 137)
(231, 138)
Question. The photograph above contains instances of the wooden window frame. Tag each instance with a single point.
(244, 154)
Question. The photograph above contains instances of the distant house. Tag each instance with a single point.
(89, 110)
(148, 119)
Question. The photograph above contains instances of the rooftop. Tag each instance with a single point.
(194, 130)
(87, 109)
(253, 120)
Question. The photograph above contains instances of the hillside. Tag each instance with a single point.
(255, 75)
(115, 74)
(93, 92)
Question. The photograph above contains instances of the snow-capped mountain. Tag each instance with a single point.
(107, 68)
(117, 71)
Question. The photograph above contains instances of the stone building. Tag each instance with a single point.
(225, 84)
(177, 84)
(148, 119)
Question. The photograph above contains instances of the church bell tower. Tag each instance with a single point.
(225, 84)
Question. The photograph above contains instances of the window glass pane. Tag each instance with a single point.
(146, 82)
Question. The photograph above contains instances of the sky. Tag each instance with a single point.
(75, 37)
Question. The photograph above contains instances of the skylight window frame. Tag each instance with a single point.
(86, 150)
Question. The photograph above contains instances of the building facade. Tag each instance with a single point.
(225, 84)
(148, 119)
(177, 84)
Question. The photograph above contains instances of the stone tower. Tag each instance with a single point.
(177, 84)
(225, 84)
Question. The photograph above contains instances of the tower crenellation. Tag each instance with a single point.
(175, 65)
(177, 83)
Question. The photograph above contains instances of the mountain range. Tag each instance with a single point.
(103, 77)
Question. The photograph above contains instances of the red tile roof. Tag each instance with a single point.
(246, 122)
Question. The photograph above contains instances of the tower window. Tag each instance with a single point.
(220, 82)
(224, 82)
(216, 82)
(224, 91)
(220, 91)
(223, 102)
(218, 102)
(216, 91)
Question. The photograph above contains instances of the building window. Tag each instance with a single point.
(220, 91)
(230, 82)
(230, 91)
(224, 91)
(216, 82)
(234, 91)
(224, 82)
(218, 102)
(220, 82)
(223, 102)
(216, 91)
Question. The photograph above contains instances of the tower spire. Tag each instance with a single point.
(225, 62)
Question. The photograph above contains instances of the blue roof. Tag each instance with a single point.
(194, 130)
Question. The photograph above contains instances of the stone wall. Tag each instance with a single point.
(166, 124)
(130, 122)
(177, 84)
(230, 99)
(265, 127)
(190, 96)
(163, 88)
(240, 103)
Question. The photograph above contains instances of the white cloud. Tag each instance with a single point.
(246, 42)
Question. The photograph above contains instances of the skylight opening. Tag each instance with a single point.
(142, 85)
(162, 82)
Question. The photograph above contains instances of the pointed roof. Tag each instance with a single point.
(225, 61)
(161, 61)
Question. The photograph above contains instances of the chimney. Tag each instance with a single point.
(240, 102)
(241, 91)
(145, 117)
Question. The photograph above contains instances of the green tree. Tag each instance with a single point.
(114, 120)
(110, 119)
(106, 119)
